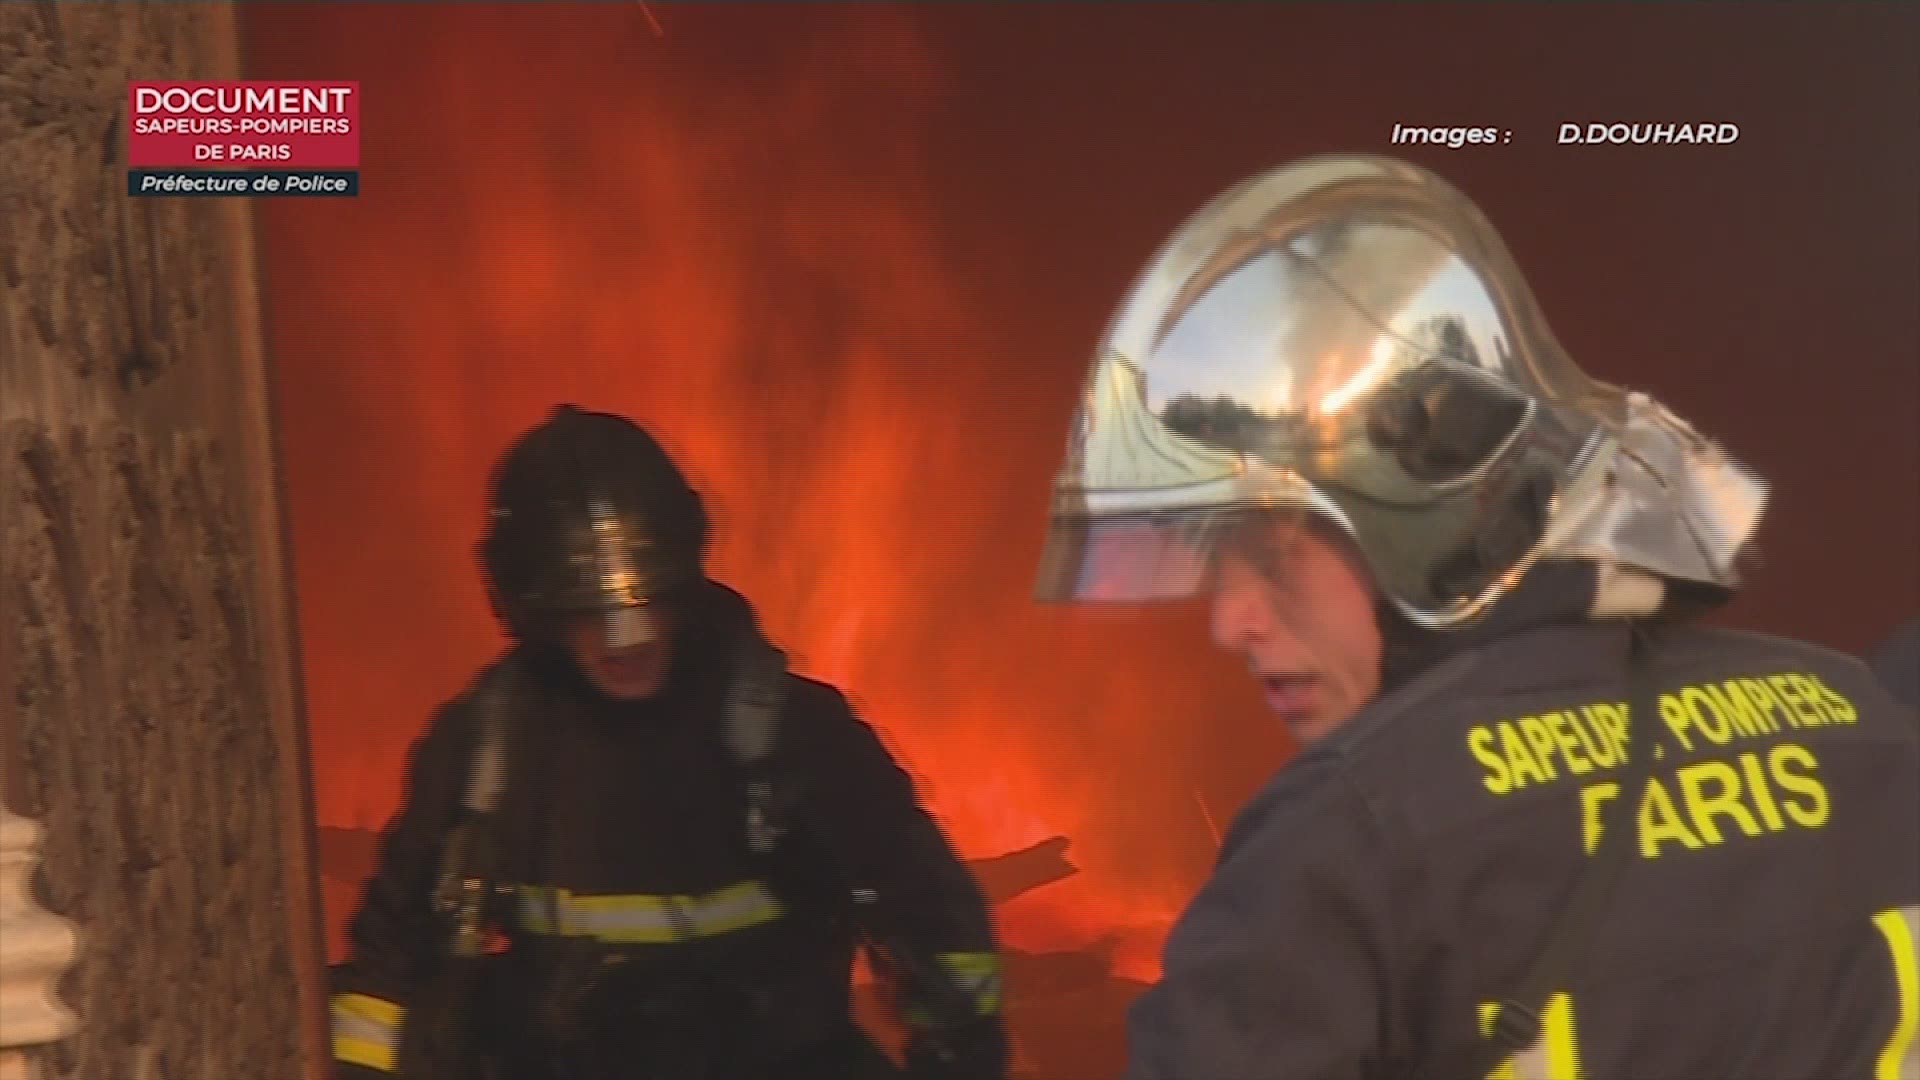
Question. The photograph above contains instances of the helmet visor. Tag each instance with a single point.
(1126, 560)
(1148, 558)
(629, 627)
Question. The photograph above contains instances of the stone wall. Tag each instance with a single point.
(150, 697)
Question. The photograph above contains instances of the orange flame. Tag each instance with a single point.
(738, 240)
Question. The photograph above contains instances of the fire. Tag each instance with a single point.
(734, 234)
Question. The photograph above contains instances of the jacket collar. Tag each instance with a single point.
(1555, 592)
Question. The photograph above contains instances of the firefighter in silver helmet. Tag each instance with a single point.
(637, 845)
(1545, 823)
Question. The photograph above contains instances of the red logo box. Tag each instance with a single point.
(242, 125)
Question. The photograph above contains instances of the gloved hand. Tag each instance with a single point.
(975, 1051)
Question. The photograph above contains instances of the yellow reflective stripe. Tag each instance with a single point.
(1488, 1012)
(366, 1031)
(635, 918)
(1553, 1056)
(1563, 1041)
(735, 907)
(384, 1013)
(978, 973)
(1900, 1060)
(614, 904)
(535, 912)
(363, 1052)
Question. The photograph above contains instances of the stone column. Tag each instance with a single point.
(149, 695)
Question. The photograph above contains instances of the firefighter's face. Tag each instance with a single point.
(1295, 601)
(626, 658)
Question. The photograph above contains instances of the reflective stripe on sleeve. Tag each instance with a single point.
(977, 973)
(638, 919)
(366, 1031)
(1555, 1055)
(1900, 1059)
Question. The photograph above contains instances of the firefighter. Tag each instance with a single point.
(1897, 662)
(636, 845)
(1545, 822)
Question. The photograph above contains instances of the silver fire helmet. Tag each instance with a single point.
(1347, 336)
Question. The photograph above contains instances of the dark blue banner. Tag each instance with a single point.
(243, 182)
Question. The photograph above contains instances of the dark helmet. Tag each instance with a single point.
(589, 514)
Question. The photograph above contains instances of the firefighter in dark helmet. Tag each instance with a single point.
(637, 846)
(1546, 822)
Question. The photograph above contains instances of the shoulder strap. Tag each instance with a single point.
(437, 1039)
(1517, 1025)
(755, 698)
(487, 774)
(466, 869)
